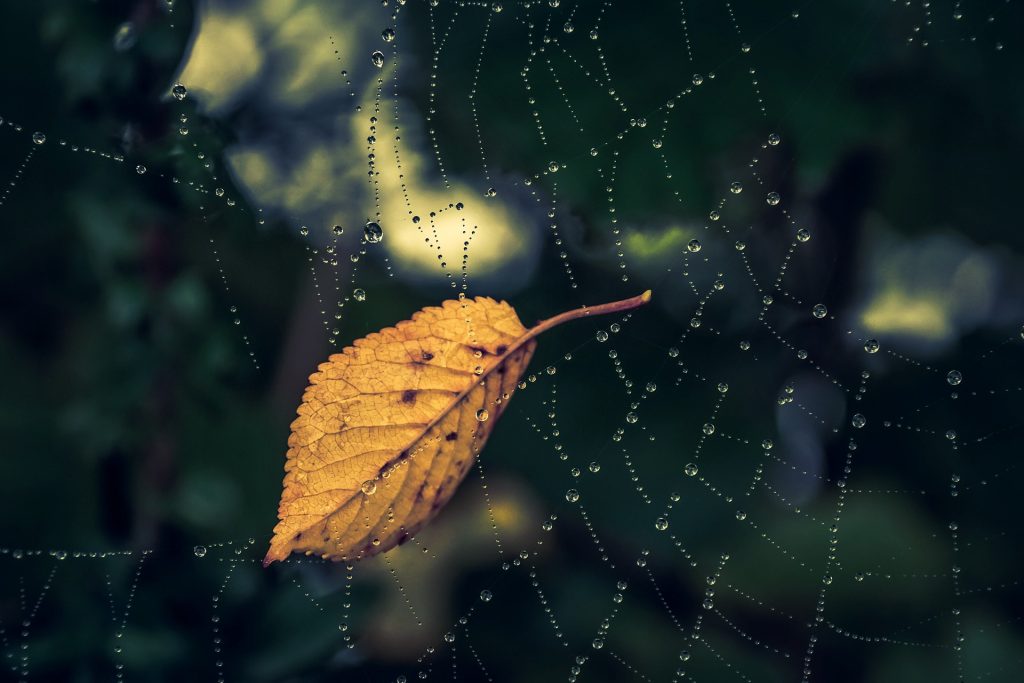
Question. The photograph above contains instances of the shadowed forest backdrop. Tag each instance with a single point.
(170, 275)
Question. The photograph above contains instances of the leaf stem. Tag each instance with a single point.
(587, 311)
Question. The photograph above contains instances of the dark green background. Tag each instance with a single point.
(132, 418)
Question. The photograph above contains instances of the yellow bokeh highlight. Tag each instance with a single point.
(897, 312)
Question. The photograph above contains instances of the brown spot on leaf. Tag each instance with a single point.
(451, 436)
(409, 396)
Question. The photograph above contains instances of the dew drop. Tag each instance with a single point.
(373, 232)
(179, 92)
(954, 377)
(38, 137)
(377, 58)
(199, 550)
(482, 415)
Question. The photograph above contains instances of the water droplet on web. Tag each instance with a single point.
(661, 524)
(774, 139)
(38, 138)
(482, 415)
(693, 246)
(303, 231)
(359, 294)
(708, 429)
(632, 418)
(553, 166)
(179, 92)
(373, 232)
(388, 35)
(736, 188)
(486, 595)
(199, 551)
(951, 434)
(954, 377)
(337, 230)
(858, 420)
(369, 487)
(773, 198)
(697, 79)
(819, 311)
(690, 470)
(803, 234)
(594, 467)
(377, 58)
(572, 495)
(568, 27)
(140, 169)
(872, 346)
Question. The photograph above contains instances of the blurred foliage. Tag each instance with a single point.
(133, 416)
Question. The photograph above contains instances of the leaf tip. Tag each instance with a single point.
(271, 557)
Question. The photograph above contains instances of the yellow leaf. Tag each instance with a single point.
(388, 428)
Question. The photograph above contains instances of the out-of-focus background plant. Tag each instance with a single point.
(157, 329)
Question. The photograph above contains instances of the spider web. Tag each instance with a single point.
(785, 468)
